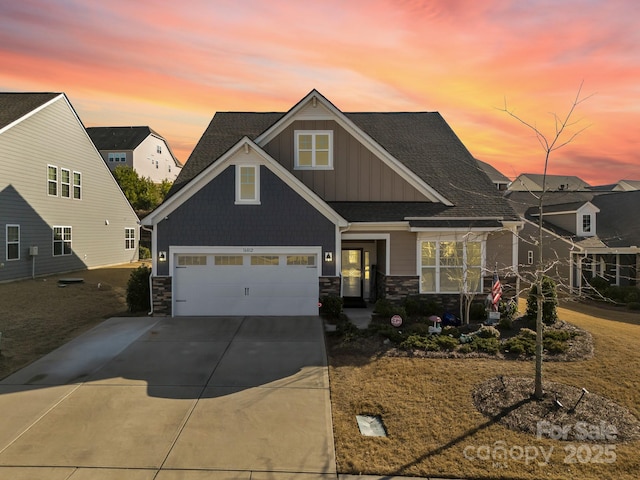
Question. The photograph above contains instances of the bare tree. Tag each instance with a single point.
(561, 137)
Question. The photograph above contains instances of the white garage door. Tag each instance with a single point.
(253, 283)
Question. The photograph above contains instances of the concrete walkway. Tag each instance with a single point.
(174, 399)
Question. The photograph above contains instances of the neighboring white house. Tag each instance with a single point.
(140, 148)
(60, 208)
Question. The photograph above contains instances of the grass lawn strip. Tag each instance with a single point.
(434, 428)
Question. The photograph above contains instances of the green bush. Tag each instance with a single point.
(555, 346)
(417, 328)
(489, 345)
(467, 348)
(420, 306)
(508, 310)
(488, 332)
(387, 331)
(505, 323)
(451, 331)
(599, 284)
(138, 290)
(446, 342)
(558, 335)
(144, 253)
(477, 312)
(420, 342)
(331, 306)
(550, 301)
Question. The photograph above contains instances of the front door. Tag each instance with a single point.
(352, 271)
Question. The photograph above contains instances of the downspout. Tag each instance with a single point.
(150, 230)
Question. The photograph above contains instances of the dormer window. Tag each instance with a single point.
(314, 149)
(586, 223)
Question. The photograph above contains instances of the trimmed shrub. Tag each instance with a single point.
(477, 312)
(331, 306)
(508, 310)
(555, 346)
(451, 331)
(519, 345)
(138, 293)
(550, 301)
(417, 328)
(489, 345)
(558, 335)
(488, 332)
(505, 323)
(599, 284)
(143, 253)
(446, 342)
(420, 306)
(420, 342)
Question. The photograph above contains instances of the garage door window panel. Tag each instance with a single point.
(191, 260)
(269, 260)
(228, 260)
(303, 260)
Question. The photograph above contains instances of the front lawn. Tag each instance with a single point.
(434, 428)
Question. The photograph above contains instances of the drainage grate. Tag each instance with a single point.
(371, 426)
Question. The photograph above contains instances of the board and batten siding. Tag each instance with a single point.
(357, 175)
(54, 136)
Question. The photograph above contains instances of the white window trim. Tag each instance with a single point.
(79, 186)
(128, 239)
(477, 238)
(53, 241)
(7, 243)
(49, 181)
(313, 165)
(256, 171)
(62, 182)
(118, 157)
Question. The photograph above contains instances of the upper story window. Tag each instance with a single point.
(248, 184)
(586, 223)
(117, 157)
(314, 149)
(159, 149)
(52, 180)
(77, 185)
(13, 242)
(65, 183)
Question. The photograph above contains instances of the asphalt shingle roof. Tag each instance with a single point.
(14, 106)
(119, 138)
(422, 141)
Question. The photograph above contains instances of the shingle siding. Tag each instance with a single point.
(211, 218)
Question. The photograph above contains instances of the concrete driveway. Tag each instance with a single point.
(174, 399)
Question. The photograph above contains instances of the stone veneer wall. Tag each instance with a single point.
(397, 288)
(329, 286)
(161, 296)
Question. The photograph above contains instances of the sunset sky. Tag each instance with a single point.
(172, 64)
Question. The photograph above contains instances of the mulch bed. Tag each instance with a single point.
(509, 402)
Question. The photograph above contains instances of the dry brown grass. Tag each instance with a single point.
(37, 316)
(427, 407)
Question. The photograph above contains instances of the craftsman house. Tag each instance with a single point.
(275, 210)
(585, 235)
(60, 207)
(140, 148)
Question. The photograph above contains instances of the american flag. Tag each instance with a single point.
(496, 290)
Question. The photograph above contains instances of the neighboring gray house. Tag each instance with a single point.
(532, 182)
(140, 148)
(501, 181)
(274, 210)
(584, 235)
(60, 207)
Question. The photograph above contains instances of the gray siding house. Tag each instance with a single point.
(60, 207)
(275, 210)
(585, 235)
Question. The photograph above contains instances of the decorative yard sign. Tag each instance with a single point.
(396, 320)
